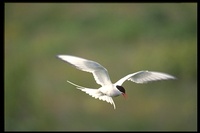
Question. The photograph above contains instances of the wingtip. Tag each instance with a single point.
(171, 77)
(174, 78)
(114, 105)
(59, 56)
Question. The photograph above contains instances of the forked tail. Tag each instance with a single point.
(77, 86)
(94, 93)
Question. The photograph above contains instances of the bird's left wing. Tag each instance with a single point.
(99, 72)
(144, 77)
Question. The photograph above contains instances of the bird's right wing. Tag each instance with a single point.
(144, 77)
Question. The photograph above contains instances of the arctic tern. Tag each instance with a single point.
(108, 89)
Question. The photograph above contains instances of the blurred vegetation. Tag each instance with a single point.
(124, 38)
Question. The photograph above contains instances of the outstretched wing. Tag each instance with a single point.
(99, 72)
(144, 77)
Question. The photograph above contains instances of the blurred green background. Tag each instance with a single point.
(124, 38)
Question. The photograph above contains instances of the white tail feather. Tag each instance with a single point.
(78, 86)
(94, 93)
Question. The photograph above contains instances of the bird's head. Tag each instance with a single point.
(122, 90)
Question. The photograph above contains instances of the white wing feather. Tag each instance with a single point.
(99, 72)
(95, 93)
(101, 76)
(144, 77)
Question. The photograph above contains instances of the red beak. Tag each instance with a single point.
(124, 94)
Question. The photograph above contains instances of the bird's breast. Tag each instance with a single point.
(110, 90)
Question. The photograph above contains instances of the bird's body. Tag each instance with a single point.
(108, 89)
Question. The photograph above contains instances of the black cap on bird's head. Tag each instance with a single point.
(121, 89)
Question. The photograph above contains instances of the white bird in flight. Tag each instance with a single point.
(108, 89)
